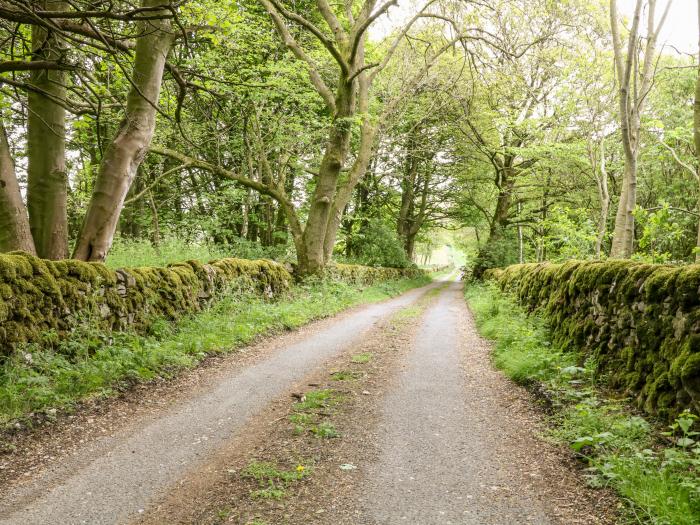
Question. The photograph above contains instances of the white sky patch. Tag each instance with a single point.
(681, 27)
(680, 30)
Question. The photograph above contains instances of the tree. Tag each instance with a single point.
(131, 142)
(635, 81)
(47, 183)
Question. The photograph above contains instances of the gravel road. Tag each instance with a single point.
(457, 442)
(113, 480)
(440, 438)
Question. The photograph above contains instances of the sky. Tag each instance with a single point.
(679, 31)
(681, 27)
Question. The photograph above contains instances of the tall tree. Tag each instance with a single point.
(47, 180)
(130, 145)
(635, 80)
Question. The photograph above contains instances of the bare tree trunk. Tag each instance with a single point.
(604, 196)
(15, 233)
(696, 134)
(47, 181)
(130, 145)
(634, 88)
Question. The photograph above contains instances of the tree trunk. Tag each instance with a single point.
(130, 145)
(322, 212)
(488, 253)
(15, 233)
(358, 170)
(47, 181)
(410, 246)
(696, 134)
(604, 196)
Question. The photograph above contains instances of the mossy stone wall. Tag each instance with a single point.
(641, 322)
(365, 275)
(38, 296)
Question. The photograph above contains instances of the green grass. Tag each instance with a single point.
(126, 252)
(272, 481)
(315, 405)
(56, 375)
(644, 463)
(362, 358)
(345, 375)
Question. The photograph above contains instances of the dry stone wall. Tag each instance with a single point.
(640, 322)
(39, 296)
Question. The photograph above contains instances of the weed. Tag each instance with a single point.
(223, 514)
(345, 375)
(326, 430)
(272, 481)
(362, 358)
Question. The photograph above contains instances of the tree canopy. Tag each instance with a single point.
(311, 131)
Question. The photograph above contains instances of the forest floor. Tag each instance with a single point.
(389, 413)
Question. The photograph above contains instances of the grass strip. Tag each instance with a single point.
(655, 469)
(55, 374)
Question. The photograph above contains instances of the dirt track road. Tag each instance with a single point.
(453, 441)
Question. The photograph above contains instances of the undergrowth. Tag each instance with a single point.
(130, 253)
(43, 377)
(654, 469)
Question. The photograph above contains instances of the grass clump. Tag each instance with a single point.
(272, 481)
(345, 375)
(311, 409)
(41, 377)
(655, 470)
(364, 357)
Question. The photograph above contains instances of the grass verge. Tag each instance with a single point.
(654, 469)
(53, 375)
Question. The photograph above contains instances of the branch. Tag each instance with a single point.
(331, 20)
(20, 65)
(218, 170)
(685, 165)
(364, 25)
(655, 208)
(289, 15)
(155, 182)
(294, 47)
(397, 40)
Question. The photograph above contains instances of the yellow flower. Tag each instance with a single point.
(300, 468)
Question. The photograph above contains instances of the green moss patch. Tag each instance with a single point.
(640, 322)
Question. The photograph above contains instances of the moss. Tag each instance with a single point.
(639, 320)
(690, 377)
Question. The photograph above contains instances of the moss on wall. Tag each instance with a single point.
(357, 274)
(38, 296)
(640, 322)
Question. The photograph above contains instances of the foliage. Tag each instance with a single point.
(570, 234)
(661, 234)
(658, 478)
(378, 245)
(127, 253)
